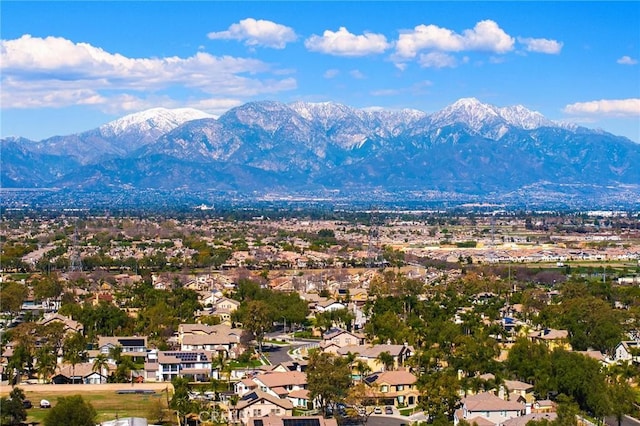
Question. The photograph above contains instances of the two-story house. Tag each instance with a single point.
(485, 408)
(164, 366)
(341, 338)
(370, 354)
(627, 350)
(132, 346)
(257, 404)
(551, 338)
(221, 339)
(396, 388)
(281, 384)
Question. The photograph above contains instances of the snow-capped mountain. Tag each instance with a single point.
(156, 121)
(467, 147)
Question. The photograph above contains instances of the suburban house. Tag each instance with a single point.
(133, 346)
(370, 354)
(292, 421)
(552, 338)
(163, 366)
(485, 406)
(259, 404)
(221, 339)
(82, 373)
(301, 398)
(518, 390)
(535, 417)
(70, 325)
(244, 386)
(627, 350)
(329, 305)
(224, 307)
(396, 388)
(281, 384)
(342, 338)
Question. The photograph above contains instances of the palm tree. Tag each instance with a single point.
(386, 359)
(74, 350)
(46, 362)
(363, 369)
(115, 353)
(101, 364)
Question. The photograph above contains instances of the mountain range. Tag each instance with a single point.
(468, 147)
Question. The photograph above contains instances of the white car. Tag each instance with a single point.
(45, 404)
(377, 410)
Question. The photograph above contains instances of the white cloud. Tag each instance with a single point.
(437, 60)
(55, 72)
(541, 45)
(344, 43)
(607, 107)
(627, 60)
(215, 106)
(331, 73)
(385, 92)
(257, 32)
(485, 35)
(357, 74)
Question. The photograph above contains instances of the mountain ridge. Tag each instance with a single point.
(467, 147)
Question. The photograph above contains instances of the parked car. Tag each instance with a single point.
(27, 404)
(388, 410)
(377, 410)
(45, 404)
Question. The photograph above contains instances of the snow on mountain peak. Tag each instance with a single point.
(478, 116)
(524, 118)
(156, 120)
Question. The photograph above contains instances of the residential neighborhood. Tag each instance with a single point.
(439, 320)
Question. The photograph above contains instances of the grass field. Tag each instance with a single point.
(106, 402)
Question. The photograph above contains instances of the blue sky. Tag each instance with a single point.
(67, 67)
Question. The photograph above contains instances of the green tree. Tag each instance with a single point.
(74, 350)
(47, 287)
(328, 378)
(386, 359)
(101, 364)
(257, 318)
(180, 399)
(439, 393)
(622, 399)
(71, 410)
(12, 411)
(13, 294)
(46, 362)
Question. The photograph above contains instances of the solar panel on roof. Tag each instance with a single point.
(300, 422)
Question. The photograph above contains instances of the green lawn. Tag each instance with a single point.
(108, 404)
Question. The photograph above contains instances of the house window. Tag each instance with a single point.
(257, 412)
(384, 388)
(400, 387)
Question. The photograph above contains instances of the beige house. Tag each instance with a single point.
(487, 409)
(342, 338)
(288, 420)
(396, 388)
(70, 325)
(259, 404)
(281, 384)
(370, 354)
(221, 339)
